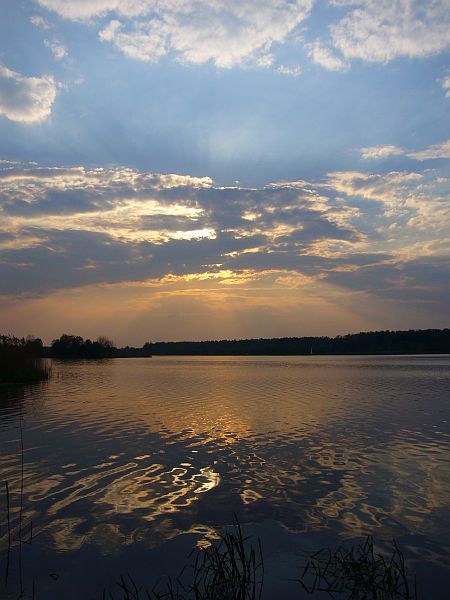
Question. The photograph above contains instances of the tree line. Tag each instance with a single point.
(414, 341)
(74, 346)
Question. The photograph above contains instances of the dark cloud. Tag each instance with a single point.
(65, 228)
(418, 280)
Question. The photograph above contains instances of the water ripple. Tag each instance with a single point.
(341, 445)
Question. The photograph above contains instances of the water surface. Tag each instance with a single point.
(127, 462)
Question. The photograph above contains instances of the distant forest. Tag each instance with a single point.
(414, 341)
(420, 341)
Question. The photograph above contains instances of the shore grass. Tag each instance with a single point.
(232, 569)
(227, 568)
(359, 573)
(20, 361)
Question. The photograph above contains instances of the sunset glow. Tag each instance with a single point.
(287, 175)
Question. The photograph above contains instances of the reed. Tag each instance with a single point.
(227, 568)
(230, 569)
(18, 532)
(20, 361)
(359, 573)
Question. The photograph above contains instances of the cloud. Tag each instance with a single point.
(380, 152)
(71, 227)
(424, 280)
(225, 32)
(376, 186)
(446, 86)
(410, 200)
(232, 33)
(326, 58)
(84, 10)
(290, 71)
(382, 30)
(131, 225)
(435, 151)
(58, 50)
(26, 99)
(40, 22)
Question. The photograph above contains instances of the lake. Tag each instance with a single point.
(127, 463)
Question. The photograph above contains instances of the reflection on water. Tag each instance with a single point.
(131, 453)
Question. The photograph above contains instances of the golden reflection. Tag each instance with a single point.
(425, 491)
(260, 431)
(108, 536)
(160, 492)
(249, 496)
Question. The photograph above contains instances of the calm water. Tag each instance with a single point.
(128, 462)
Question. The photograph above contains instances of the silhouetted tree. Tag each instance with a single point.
(427, 341)
(73, 346)
(67, 346)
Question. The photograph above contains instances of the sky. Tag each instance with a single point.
(209, 169)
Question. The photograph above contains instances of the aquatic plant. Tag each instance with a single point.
(359, 573)
(20, 360)
(14, 534)
(227, 568)
(230, 569)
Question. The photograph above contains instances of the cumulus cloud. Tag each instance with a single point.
(446, 86)
(132, 225)
(393, 189)
(68, 227)
(225, 32)
(380, 152)
(237, 32)
(381, 30)
(290, 71)
(40, 22)
(326, 58)
(410, 200)
(58, 50)
(26, 99)
(436, 151)
(83, 10)
(433, 152)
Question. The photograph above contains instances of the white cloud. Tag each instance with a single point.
(413, 199)
(58, 50)
(388, 188)
(40, 22)
(65, 178)
(381, 30)
(325, 58)
(290, 71)
(26, 99)
(226, 32)
(433, 152)
(265, 60)
(446, 86)
(380, 152)
(81, 10)
(236, 32)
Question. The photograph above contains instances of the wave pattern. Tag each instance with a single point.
(139, 451)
